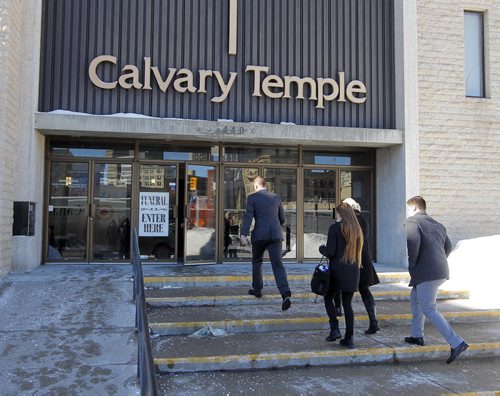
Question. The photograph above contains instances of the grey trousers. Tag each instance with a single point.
(423, 305)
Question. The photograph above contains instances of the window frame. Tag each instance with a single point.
(484, 77)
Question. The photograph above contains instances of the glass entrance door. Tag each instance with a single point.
(68, 211)
(200, 220)
(157, 222)
(283, 182)
(89, 211)
(319, 208)
(110, 216)
(238, 185)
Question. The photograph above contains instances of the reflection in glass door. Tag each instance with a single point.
(157, 217)
(283, 182)
(68, 211)
(319, 208)
(111, 211)
(238, 185)
(357, 184)
(200, 223)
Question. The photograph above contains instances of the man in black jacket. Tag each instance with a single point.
(428, 249)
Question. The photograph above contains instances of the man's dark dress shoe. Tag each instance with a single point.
(257, 294)
(286, 303)
(456, 352)
(415, 340)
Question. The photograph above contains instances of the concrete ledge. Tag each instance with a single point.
(243, 280)
(311, 323)
(276, 298)
(318, 358)
(140, 127)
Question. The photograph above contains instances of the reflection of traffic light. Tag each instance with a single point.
(192, 183)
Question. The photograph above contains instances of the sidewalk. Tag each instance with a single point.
(68, 329)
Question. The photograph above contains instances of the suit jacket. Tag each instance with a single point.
(428, 249)
(266, 208)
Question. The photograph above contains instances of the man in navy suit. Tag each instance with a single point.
(267, 210)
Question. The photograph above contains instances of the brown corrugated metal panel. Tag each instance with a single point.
(304, 38)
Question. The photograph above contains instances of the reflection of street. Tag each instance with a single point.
(200, 243)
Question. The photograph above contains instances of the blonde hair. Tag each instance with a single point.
(352, 234)
(353, 204)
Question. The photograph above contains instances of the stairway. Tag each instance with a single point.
(258, 335)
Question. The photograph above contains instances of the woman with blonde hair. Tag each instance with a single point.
(343, 250)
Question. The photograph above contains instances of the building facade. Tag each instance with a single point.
(157, 116)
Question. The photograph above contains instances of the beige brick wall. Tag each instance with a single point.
(459, 136)
(21, 148)
(10, 40)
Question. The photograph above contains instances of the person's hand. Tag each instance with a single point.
(244, 240)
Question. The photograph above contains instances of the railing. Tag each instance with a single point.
(145, 365)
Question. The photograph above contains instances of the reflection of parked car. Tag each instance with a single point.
(160, 248)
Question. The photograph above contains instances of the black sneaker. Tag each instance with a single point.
(286, 303)
(255, 293)
(338, 311)
(456, 352)
(415, 340)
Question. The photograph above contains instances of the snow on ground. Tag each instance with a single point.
(475, 266)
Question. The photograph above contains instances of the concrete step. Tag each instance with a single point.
(478, 377)
(247, 319)
(211, 296)
(294, 279)
(307, 348)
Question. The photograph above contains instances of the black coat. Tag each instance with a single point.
(428, 249)
(343, 276)
(368, 276)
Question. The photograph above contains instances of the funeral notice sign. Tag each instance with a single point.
(153, 214)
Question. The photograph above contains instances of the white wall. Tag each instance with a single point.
(398, 166)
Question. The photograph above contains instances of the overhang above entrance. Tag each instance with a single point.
(140, 127)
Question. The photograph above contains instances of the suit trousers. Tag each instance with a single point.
(423, 305)
(273, 247)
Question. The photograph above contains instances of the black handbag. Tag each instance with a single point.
(320, 281)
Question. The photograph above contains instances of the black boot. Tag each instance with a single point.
(372, 315)
(347, 340)
(334, 333)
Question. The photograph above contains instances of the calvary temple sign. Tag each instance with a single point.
(273, 86)
(184, 80)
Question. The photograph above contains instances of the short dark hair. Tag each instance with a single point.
(260, 181)
(417, 201)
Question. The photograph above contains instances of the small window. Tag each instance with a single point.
(262, 155)
(474, 54)
(337, 159)
(91, 149)
(176, 152)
